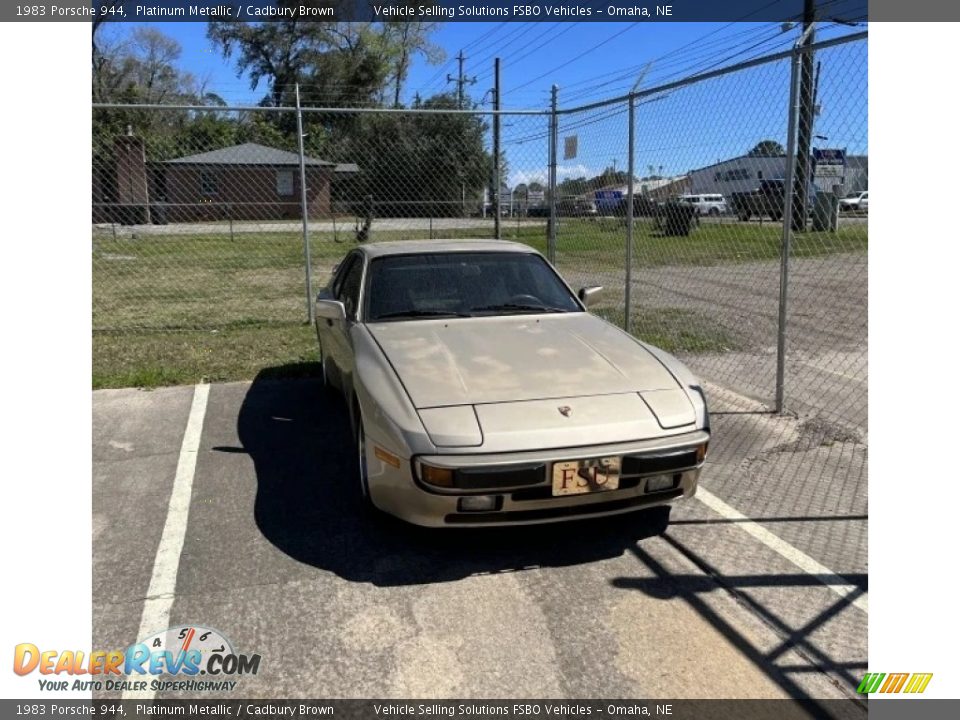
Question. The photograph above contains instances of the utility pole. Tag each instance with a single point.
(496, 148)
(802, 170)
(461, 80)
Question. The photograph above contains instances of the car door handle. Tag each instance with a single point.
(329, 322)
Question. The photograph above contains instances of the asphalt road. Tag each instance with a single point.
(278, 555)
(438, 225)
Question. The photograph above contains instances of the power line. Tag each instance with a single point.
(698, 41)
(497, 46)
(499, 49)
(573, 59)
(461, 80)
(704, 49)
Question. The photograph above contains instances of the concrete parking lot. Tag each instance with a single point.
(758, 588)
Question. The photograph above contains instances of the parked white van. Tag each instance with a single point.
(709, 204)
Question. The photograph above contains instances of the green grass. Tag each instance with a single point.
(676, 330)
(171, 309)
(153, 359)
(602, 242)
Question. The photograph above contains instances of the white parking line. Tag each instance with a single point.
(799, 558)
(163, 581)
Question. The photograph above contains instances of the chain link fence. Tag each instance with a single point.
(686, 202)
(751, 266)
(672, 198)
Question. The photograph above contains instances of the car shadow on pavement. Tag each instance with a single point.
(308, 504)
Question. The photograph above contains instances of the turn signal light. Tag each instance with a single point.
(701, 452)
(388, 457)
(441, 477)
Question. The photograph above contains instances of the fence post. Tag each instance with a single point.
(630, 173)
(552, 183)
(496, 149)
(303, 209)
(793, 112)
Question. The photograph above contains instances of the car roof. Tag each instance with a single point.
(415, 247)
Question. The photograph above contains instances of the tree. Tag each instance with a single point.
(767, 148)
(277, 52)
(434, 164)
(402, 42)
(336, 63)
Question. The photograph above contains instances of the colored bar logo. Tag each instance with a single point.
(894, 683)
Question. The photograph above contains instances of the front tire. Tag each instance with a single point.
(327, 385)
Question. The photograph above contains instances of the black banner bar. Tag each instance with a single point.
(846, 11)
(852, 709)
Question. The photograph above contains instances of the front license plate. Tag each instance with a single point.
(576, 477)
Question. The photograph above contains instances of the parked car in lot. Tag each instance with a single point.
(767, 200)
(642, 207)
(482, 392)
(706, 204)
(855, 202)
(576, 207)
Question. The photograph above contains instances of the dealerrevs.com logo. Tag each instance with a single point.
(188, 658)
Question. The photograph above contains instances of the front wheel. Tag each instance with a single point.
(325, 372)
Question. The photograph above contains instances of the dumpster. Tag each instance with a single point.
(677, 218)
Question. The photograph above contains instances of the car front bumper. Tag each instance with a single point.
(395, 490)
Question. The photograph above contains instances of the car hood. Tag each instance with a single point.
(477, 361)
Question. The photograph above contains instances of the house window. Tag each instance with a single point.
(285, 182)
(759, 174)
(208, 183)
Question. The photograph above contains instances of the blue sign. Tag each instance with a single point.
(607, 200)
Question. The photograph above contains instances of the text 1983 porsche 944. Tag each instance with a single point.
(482, 392)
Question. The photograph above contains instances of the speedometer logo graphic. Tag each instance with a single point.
(183, 639)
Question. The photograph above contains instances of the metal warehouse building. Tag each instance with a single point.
(744, 173)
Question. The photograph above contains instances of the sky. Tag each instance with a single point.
(591, 61)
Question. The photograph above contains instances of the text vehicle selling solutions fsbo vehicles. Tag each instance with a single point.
(482, 392)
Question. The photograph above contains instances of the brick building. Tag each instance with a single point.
(242, 182)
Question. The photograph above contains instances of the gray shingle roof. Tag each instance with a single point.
(247, 154)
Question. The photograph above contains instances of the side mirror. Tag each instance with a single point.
(588, 295)
(331, 310)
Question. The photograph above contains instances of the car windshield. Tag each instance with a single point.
(463, 284)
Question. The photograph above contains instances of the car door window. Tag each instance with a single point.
(348, 290)
(339, 273)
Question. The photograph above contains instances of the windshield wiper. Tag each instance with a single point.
(518, 307)
(421, 313)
